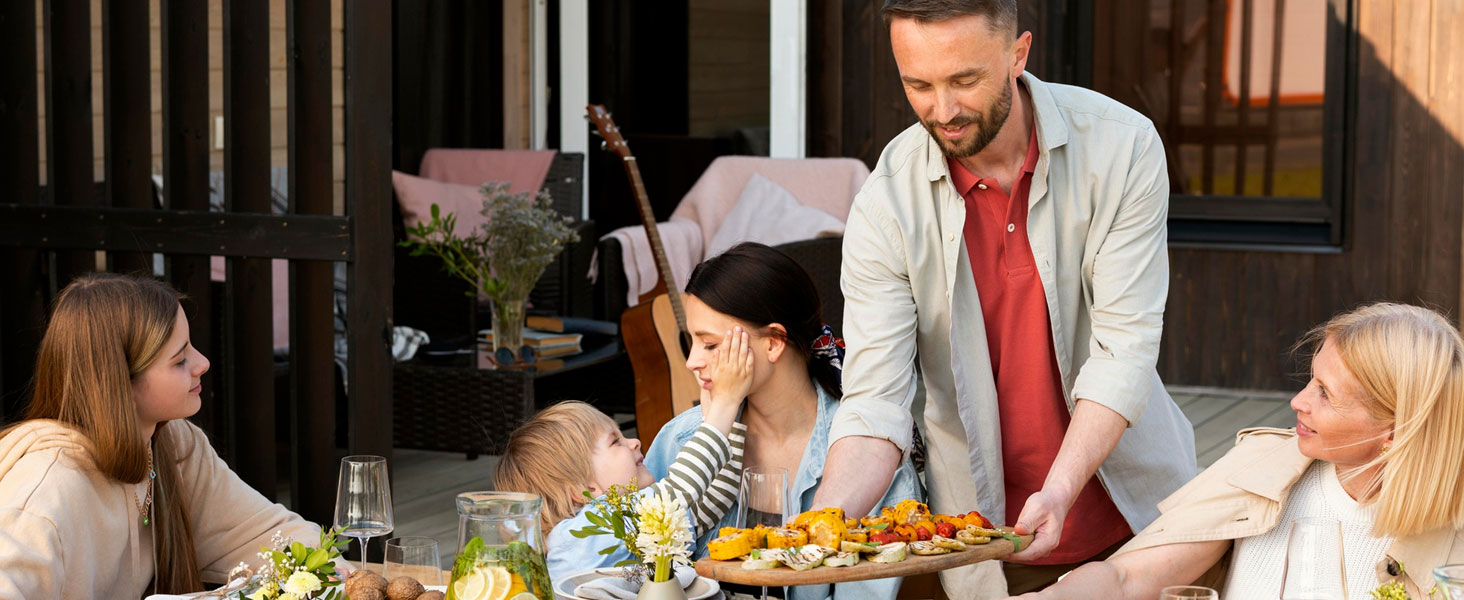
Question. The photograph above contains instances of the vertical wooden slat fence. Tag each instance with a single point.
(22, 281)
(75, 216)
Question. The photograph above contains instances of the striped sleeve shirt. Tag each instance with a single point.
(706, 473)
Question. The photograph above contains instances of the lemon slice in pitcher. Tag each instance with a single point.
(470, 586)
(499, 581)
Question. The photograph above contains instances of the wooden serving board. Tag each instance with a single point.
(731, 571)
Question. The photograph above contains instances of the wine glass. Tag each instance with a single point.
(414, 557)
(1451, 581)
(764, 498)
(1314, 561)
(1188, 592)
(363, 500)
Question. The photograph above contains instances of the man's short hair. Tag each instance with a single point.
(1002, 14)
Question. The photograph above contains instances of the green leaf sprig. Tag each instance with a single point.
(613, 515)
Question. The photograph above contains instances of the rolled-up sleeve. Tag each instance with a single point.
(879, 328)
(1130, 286)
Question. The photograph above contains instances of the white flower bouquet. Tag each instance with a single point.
(654, 529)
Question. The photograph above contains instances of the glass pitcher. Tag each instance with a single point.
(1450, 580)
(507, 524)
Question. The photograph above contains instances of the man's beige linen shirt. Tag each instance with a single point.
(1097, 223)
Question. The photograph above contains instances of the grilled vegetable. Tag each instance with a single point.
(889, 553)
(764, 559)
(856, 535)
(849, 546)
(945, 542)
(910, 511)
(787, 538)
(946, 529)
(827, 530)
(875, 522)
(884, 537)
(928, 548)
(842, 559)
(906, 532)
(968, 538)
(732, 545)
(805, 558)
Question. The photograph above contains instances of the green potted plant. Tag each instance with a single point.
(502, 259)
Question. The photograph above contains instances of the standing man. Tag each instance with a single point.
(1010, 251)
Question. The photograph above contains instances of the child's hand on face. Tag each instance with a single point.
(731, 372)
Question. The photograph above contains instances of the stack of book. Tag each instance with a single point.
(548, 340)
(542, 344)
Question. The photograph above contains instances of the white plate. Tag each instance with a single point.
(701, 589)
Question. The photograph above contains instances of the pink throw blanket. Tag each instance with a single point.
(826, 184)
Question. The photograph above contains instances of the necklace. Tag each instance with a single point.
(145, 505)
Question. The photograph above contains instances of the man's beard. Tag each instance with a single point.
(988, 124)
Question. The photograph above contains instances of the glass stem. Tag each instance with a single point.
(365, 543)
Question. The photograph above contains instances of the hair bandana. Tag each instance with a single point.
(829, 347)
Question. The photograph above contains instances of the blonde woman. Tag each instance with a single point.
(106, 491)
(1378, 445)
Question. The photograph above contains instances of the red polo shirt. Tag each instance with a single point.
(1034, 415)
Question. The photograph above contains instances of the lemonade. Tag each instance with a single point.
(484, 572)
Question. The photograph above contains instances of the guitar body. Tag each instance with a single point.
(663, 386)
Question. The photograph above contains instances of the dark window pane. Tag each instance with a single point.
(1236, 88)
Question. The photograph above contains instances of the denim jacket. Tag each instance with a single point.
(906, 485)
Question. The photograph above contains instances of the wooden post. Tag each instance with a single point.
(127, 127)
(312, 336)
(517, 74)
(368, 56)
(22, 283)
(249, 365)
(69, 170)
(184, 47)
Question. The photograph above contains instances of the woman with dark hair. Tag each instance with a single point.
(757, 291)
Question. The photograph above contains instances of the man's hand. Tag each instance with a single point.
(1042, 516)
(1091, 436)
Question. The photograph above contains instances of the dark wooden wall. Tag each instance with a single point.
(1234, 314)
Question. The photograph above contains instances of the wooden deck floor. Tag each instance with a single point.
(425, 483)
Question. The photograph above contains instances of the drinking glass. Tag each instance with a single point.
(764, 498)
(363, 500)
(1188, 592)
(1451, 581)
(414, 557)
(1314, 560)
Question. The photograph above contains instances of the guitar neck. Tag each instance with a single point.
(653, 234)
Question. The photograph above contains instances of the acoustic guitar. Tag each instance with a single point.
(654, 331)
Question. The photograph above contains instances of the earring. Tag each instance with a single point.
(1383, 452)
